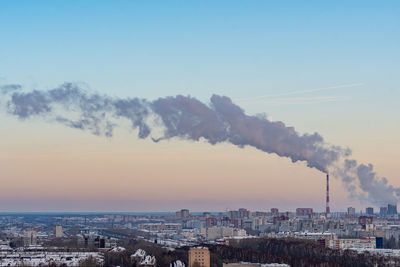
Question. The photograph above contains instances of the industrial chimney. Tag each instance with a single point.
(328, 211)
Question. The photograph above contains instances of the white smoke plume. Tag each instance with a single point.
(362, 182)
(188, 118)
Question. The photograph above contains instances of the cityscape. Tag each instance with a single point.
(189, 238)
(199, 133)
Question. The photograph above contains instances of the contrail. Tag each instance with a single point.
(246, 99)
(298, 100)
(187, 118)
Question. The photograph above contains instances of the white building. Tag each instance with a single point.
(218, 232)
(58, 231)
(30, 238)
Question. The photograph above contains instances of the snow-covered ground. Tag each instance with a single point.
(45, 258)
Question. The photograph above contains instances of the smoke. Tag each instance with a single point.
(73, 107)
(223, 121)
(371, 187)
(5, 89)
(189, 119)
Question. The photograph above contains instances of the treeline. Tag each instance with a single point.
(296, 252)
(163, 256)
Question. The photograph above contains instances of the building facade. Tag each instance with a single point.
(30, 238)
(58, 231)
(199, 256)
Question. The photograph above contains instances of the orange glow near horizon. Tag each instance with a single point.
(71, 170)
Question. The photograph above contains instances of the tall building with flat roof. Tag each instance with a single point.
(274, 211)
(239, 214)
(184, 213)
(58, 231)
(369, 211)
(304, 212)
(30, 238)
(244, 213)
(392, 209)
(199, 256)
(383, 211)
(351, 211)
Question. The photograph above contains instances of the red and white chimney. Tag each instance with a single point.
(328, 211)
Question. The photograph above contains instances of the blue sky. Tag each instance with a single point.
(236, 48)
(242, 49)
(239, 48)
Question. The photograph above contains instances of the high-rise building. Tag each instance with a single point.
(58, 231)
(304, 212)
(379, 242)
(351, 211)
(233, 214)
(211, 221)
(383, 211)
(199, 256)
(369, 211)
(274, 211)
(184, 213)
(244, 213)
(30, 238)
(392, 209)
(239, 214)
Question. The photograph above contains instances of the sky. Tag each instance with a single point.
(330, 67)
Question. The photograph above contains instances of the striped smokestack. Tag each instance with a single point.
(328, 211)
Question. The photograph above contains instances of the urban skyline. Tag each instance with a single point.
(184, 237)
